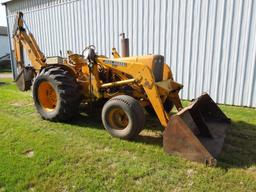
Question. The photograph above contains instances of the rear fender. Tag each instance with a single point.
(65, 67)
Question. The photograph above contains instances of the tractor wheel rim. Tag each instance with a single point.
(118, 119)
(47, 96)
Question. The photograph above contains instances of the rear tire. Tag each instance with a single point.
(56, 95)
(123, 117)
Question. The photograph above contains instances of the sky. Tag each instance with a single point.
(2, 16)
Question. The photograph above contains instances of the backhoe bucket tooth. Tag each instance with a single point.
(197, 132)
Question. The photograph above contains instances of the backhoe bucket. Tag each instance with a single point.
(24, 78)
(197, 132)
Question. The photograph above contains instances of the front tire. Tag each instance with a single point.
(56, 95)
(123, 117)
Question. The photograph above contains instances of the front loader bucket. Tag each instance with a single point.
(197, 132)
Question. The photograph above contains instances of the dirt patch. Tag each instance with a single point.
(29, 153)
(252, 170)
(190, 172)
(31, 187)
(151, 133)
(21, 104)
(3, 83)
(17, 104)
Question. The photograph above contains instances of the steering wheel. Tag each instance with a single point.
(89, 53)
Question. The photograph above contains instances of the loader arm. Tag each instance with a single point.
(23, 39)
(144, 77)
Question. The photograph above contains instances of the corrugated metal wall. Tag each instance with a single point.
(209, 44)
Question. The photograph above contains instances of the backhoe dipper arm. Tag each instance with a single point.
(23, 39)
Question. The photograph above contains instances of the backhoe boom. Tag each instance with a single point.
(25, 40)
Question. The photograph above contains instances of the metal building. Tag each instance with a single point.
(210, 45)
(4, 45)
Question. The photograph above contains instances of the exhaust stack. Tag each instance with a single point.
(124, 45)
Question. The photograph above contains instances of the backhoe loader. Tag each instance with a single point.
(128, 85)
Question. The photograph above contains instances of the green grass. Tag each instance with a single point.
(37, 155)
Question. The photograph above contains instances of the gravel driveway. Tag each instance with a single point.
(5, 75)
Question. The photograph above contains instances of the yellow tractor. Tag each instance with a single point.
(127, 85)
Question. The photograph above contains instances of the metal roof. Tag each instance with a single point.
(4, 1)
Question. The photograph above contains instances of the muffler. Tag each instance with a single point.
(197, 132)
(124, 45)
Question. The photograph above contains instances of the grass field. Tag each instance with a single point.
(37, 155)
